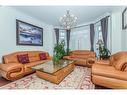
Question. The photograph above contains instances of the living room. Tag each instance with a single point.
(46, 19)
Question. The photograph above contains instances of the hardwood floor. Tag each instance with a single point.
(100, 87)
(3, 81)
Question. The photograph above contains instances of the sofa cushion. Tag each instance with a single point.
(34, 56)
(42, 56)
(10, 59)
(81, 52)
(78, 56)
(23, 58)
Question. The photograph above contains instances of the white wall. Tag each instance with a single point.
(124, 40)
(118, 36)
(124, 37)
(8, 18)
(116, 32)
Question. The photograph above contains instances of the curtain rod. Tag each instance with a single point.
(84, 25)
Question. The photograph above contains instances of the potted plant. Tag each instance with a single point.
(104, 52)
(59, 51)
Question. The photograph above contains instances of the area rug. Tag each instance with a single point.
(80, 78)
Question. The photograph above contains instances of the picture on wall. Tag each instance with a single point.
(28, 34)
(124, 18)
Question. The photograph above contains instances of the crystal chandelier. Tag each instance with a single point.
(68, 21)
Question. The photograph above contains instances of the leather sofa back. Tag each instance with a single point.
(83, 54)
(119, 60)
(33, 56)
(117, 56)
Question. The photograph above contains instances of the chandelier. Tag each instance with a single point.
(68, 21)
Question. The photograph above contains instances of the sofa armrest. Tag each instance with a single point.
(12, 71)
(10, 66)
(120, 64)
(71, 58)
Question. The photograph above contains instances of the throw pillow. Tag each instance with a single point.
(23, 58)
(42, 56)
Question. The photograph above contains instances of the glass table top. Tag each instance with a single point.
(51, 67)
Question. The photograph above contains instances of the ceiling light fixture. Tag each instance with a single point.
(68, 21)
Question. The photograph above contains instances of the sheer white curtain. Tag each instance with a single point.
(80, 38)
(98, 35)
(62, 37)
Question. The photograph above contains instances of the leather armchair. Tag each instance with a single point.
(113, 74)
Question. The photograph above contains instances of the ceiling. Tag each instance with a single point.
(51, 14)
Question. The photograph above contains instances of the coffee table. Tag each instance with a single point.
(54, 72)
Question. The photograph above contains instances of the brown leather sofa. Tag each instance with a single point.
(113, 74)
(11, 69)
(81, 57)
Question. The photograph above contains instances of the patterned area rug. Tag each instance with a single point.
(80, 78)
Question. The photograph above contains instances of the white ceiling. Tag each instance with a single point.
(51, 14)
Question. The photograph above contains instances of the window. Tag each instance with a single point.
(62, 36)
(80, 38)
(98, 36)
(99, 33)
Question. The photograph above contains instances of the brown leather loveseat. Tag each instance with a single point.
(113, 74)
(12, 69)
(81, 57)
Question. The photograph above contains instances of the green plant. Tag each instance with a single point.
(104, 52)
(59, 51)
